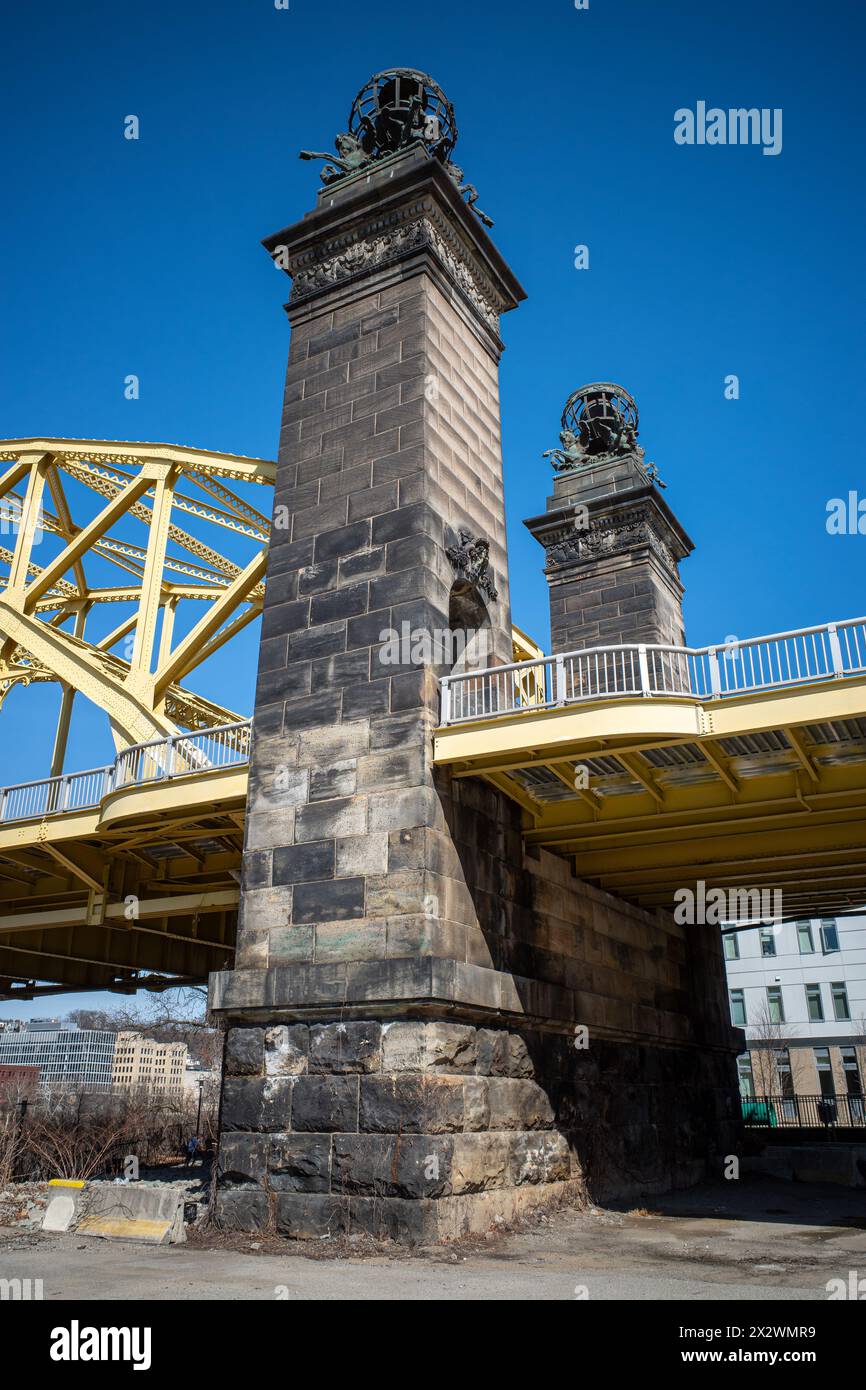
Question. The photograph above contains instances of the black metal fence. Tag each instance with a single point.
(804, 1112)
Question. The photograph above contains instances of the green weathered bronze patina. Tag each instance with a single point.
(599, 424)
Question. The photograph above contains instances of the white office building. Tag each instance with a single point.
(67, 1058)
(799, 991)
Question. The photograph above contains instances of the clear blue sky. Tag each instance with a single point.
(143, 256)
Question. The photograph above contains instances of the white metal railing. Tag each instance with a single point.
(177, 755)
(648, 669)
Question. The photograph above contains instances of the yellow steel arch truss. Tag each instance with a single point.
(44, 608)
(144, 889)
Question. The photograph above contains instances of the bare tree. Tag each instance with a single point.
(769, 1037)
(178, 1015)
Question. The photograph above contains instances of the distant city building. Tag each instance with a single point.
(142, 1064)
(90, 1059)
(17, 1084)
(799, 991)
(67, 1058)
(197, 1076)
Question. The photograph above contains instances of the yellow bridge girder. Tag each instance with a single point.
(145, 885)
(139, 691)
(648, 796)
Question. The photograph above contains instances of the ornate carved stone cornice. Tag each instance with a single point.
(408, 207)
(612, 530)
(387, 239)
(611, 537)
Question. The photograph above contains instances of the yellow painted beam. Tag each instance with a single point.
(67, 699)
(226, 634)
(28, 525)
(74, 666)
(187, 653)
(559, 732)
(116, 633)
(17, 470)
(151, 588)
(628, 817)
(574, 730)
(88, 534)
(515, 793)
(566, 774)
(166, 636)
(797, 742)
(133, 452)
(74, 868)
(632, 765)
(719, 763)
(176, 905)
(64, 517)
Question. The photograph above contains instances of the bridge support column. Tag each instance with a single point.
(402, 1016)
(612, 552)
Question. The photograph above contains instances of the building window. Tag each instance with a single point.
(784, 1079)
(841, 1010)
(768, 941)
(775, 1007)
(738, 1008)
(732, 946)
(804, 938)
(829, 935)
(851, 1071)
(825, 1070)
(744, 1071)
(814, 1004)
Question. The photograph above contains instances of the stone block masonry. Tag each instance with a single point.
(390, 444)
(383, 1127)
(612, 553)
(423, 1131)
(408, 978)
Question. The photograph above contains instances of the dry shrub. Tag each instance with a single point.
(82, 1135)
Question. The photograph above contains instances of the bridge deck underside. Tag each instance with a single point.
(650, 796)
(143, 890)
(646, 796)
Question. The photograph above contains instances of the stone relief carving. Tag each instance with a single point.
(608, 537)
(470, 559)
(360, 255)
(369, 251)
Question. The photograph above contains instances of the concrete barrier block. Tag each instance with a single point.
(62, 1209)
(133, 1211)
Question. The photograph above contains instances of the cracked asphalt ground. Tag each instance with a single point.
(750, 1240)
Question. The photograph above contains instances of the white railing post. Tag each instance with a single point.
(64, 794)
(559, 688)
(835, 651)
(643, 667)
(445, 710)
(169, 756)
(715, 677)
(3, 798)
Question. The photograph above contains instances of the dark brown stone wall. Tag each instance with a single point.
(408, 980)
(428, 1130)
(612, 554)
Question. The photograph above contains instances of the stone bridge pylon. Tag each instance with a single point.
(430, 1025)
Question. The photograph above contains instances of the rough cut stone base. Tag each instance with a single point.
(428, 1130)
(304, 1216)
